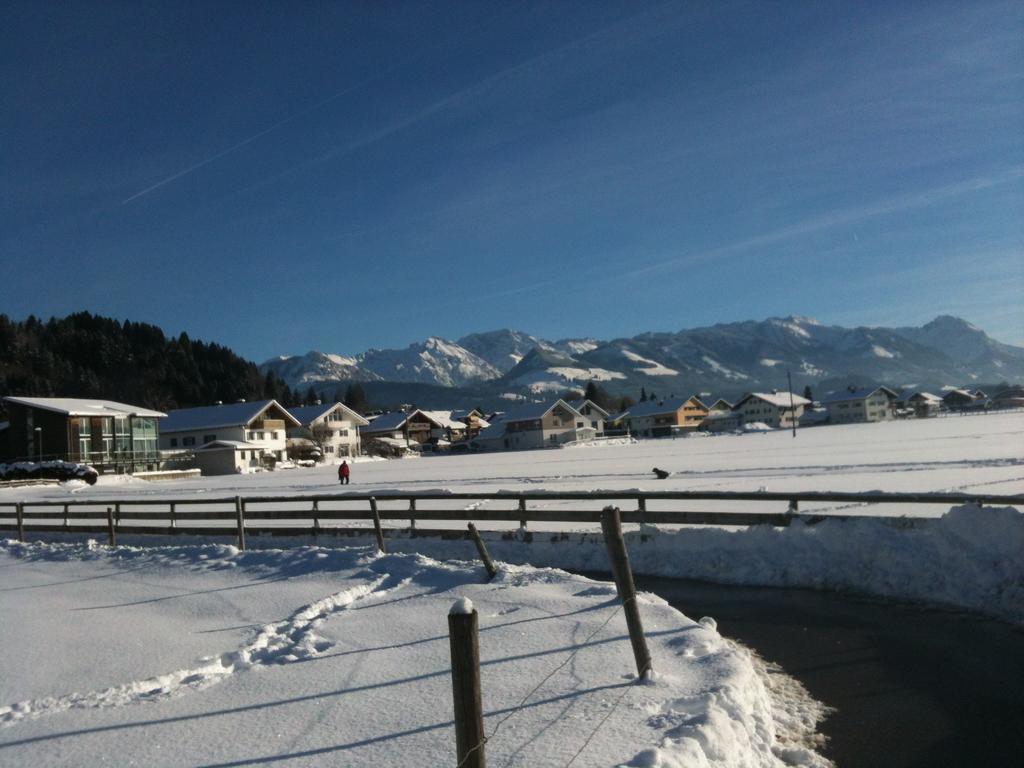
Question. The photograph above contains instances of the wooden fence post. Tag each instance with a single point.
(111, 529)
(794, 507)
(611, 525)
(482, 549)
(412, 516)
(316, 516)
(469, 717)
(174, 516)
(240, 516)
(641, 509)
(66, 523)
(19, 511)
(522, 508)
(376, 525)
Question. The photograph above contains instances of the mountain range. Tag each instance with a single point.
(725, 359)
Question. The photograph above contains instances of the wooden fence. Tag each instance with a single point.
(304, 515)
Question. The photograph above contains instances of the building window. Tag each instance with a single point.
(273, 435)
(174, 442)
(209, 438)
(262, 435)
(188, 441)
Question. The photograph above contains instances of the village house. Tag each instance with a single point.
(720, 420)
(857, 405)
(256, 432)
(413, 430)
(333, 428)
(474, 420)
(1011, 397)
(721, 405)
(661, 418)
(964, 399)
(779, 410)
(536, 425)
(920, 404)
(594, 416)
(107, 435)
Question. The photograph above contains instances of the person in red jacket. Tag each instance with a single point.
(343, 473)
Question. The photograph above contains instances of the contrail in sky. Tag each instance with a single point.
(249, 140)
(297, 115)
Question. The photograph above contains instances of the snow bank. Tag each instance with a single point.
(364, 667)
(969, 558)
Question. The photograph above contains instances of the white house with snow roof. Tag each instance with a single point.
(594, 416)
(661, 418)
(334, 427)
(257, 429)
(922, 404)
(780, 410)
(535, 425)
(855, 405)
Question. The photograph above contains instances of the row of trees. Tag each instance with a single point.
(85, 355)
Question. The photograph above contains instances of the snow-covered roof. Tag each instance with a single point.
(443, 419)
(394, 442)
(850, 393)
(386, 422)
(533, 411)
(307, 414)
(223, 445)
(73, 406)
(654, 407)
(721, 404)
(216, 416)
(579, 405)
(913, 393)
(778, 399)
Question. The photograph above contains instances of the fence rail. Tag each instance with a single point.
(235, 515)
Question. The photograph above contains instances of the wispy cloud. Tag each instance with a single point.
(838, 218)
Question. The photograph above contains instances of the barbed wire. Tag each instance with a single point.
(521, 705)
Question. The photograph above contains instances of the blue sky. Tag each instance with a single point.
(336, 176)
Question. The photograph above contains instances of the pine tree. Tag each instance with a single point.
(643, 395)
(311, 396)
(807, 393)
(355, 398)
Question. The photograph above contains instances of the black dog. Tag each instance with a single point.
(661, 473)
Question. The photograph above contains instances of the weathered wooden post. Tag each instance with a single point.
(174, 516)
(66, 523)
(19, 512)
(412, 517)
(522, 509)
(641, 509)
(240, 518)
(794, 507)
(469, 716)
(376, 525)
(316, 516)
(611, 525)
(481, 548)
(111, 530)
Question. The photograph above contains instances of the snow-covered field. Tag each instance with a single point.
(204, 655)
(970, 453)
(201, 655)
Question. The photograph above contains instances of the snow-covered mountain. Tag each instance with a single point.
(316, 368)
(434, 361)
(727, 358)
